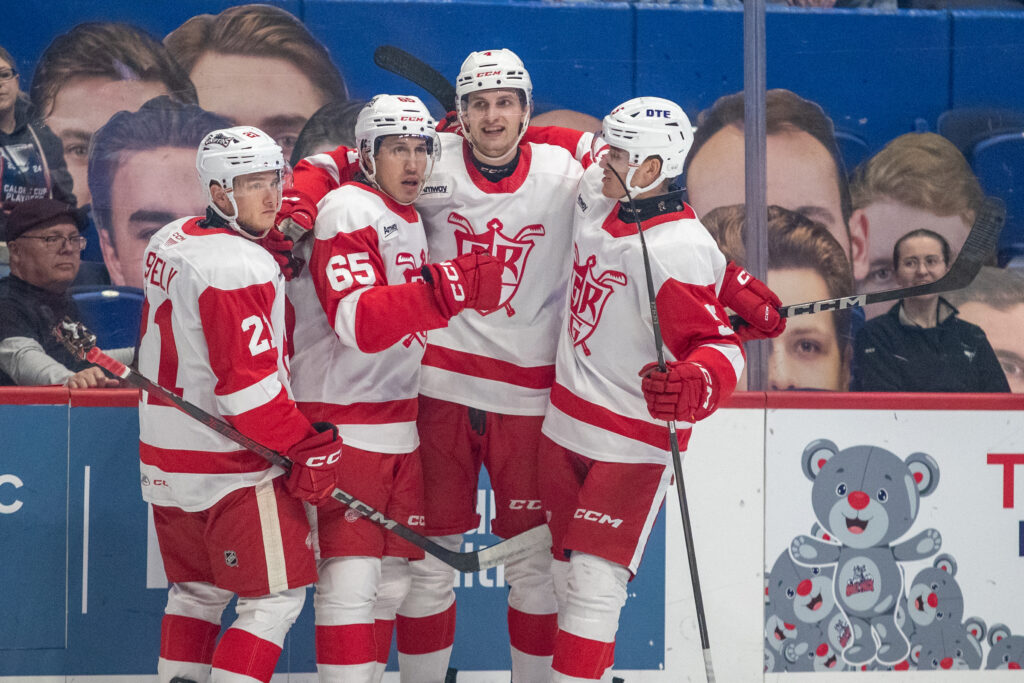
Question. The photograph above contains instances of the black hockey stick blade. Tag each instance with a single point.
(82, 344)
(977, 250)
(414, 69)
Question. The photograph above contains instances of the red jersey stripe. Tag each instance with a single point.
(465, 363)
(386, 412)
(201, 462)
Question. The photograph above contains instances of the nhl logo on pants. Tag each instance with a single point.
(230, 558)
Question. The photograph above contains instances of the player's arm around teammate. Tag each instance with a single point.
(227, 521)
(361, 316)
(605, 450)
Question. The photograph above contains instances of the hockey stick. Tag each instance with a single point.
(978, 247)
(414, 69)
(82, 344)
(677, 461)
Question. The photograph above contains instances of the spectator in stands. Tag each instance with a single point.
(258, 65)
(995, 303)
(44, 237)
(142, 174)
(807, 264)
(919, 180)
(31, 161)
(94, 70)
(331, 126)
(805, 171)
(921, 344)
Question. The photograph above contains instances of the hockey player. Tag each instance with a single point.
(605, 450)
(358, 366)
(213, 332)
(486, 377)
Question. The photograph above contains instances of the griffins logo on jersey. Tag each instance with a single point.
(412, 273)
(590, 292)
(512, 251)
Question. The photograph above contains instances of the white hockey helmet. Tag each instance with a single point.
(646, 127)
(385, 115)
(228, 153)
(489, 70)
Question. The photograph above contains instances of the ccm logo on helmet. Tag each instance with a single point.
(405, 99)
(411, 118)
(659, 113)
(595, 516)
(488, 73)
(524, 505)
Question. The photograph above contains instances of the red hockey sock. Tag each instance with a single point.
(581, 657)
(345, 645)
(242, 653)
(421, 635)
(186, 639)
(382, 629)
(533, 634)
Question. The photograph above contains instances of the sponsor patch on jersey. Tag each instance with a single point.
(231, 558)
(582, 204)
(435, 190)
(352, 515)
(390, 231)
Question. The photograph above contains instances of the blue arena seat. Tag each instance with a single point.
(998, 162)
(112, 313)
(966, 126)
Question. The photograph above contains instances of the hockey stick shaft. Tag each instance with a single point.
(677, 460)
(517, 546)
(978, 247)
(415, 70)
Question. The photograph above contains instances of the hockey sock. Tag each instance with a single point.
(241, 657)
(382, 631)
(345, 594)
(532, 616)
(425, 646)
(346, 653)
(186, 648)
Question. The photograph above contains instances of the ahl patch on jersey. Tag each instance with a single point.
(389, 231)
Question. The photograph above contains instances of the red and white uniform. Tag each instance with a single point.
(597, 407)
(348, 368)
(213, 332)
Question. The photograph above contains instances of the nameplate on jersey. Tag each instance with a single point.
(438, 189)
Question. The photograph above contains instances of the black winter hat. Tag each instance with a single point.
(40, 213)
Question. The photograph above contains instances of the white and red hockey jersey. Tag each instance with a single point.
(597, 407)
(357, 341)
(501, 360)
(213, 330)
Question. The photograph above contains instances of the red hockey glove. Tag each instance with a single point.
(280, 247)
(467, 281)
(450, 124)
(685, 391)
(315, 462)
(296, 215)
(752, 301)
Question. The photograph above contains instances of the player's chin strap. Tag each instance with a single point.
(231, 221)
(677, 461)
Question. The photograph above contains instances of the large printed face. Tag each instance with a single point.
(801, 176)
(269, 93)
(808, 354)
(81, 107)
(1003, 330)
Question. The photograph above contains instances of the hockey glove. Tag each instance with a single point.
(467, 281)
(280, 247)
(450, 124)
(752, 301)
(684, 391)
(296, 216)
(315, 462)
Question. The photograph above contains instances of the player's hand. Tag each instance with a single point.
(296, 215)
(315, 462)
(449, 124)
(280, 247)
(752, 301)
(91, 378)
(468, 281)
(684, 391)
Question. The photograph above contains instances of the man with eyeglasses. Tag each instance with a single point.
(45, 241)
